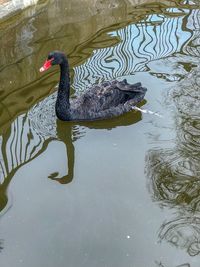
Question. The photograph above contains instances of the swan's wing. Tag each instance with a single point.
(103, 114)
(106, 100)
(124, 86)
(112, 94)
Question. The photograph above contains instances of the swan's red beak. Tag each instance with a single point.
(47, 65)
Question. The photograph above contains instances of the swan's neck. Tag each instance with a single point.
(62, 102)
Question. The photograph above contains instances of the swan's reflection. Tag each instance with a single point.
(67, 135)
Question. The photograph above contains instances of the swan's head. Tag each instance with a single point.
(54, 58)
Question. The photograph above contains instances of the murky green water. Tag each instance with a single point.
(117, 193)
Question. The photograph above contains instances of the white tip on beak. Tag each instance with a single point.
(42, 69)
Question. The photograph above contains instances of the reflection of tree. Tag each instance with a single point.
(174, 173)
(175, 180)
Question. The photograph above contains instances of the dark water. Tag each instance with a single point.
(117, 193)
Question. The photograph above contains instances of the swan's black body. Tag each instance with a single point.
(102, 101)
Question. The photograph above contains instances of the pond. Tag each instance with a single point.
(118, 193)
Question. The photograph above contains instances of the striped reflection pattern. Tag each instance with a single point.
(152, 39)
(193, 22)
(21, 145)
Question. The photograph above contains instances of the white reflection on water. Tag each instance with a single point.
(13, 5)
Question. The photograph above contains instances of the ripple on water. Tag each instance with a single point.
(183, 233)
(44, 122)
(43, 118)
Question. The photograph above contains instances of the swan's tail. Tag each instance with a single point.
(130, 88)
(147, 111)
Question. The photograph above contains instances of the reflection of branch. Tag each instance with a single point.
(160, 264)
(1, 244)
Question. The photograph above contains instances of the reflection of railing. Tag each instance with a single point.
(21, 145)
(193, 23)
(174, 172)
(154, 38)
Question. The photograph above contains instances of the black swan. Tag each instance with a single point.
(102, 101)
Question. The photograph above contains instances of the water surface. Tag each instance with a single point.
(122, 192)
